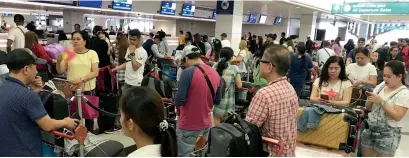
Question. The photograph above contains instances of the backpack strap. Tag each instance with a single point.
(207, 80)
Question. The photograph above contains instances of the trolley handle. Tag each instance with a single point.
(64, 135)
(361, 112)
(279, 143)
(243, 89)
(166, 100)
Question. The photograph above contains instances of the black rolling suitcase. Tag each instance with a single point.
(109, 103)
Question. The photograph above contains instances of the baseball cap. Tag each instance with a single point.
(361, 39)
(19, 58)
(223, 35)
(18, 18)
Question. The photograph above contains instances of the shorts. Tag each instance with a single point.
(385, 142)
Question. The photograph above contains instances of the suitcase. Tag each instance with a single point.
(334, 131)
(109, 103)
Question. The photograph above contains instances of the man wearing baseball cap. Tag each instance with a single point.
(352, 53)
(225, 42)
(198, 91)
(22, 112)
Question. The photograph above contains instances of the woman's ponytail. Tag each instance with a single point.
(169, 147)
(226, 54)
(221, 66)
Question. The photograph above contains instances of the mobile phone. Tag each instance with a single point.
(324, 96)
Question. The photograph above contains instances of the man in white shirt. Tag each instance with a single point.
(225, 42)
(324, 53)
(15, 39)
(136, 57)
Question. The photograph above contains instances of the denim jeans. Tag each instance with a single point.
(186, 140)
(311, 116)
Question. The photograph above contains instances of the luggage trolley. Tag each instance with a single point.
(56, 138)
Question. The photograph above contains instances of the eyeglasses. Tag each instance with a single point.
(267, 62)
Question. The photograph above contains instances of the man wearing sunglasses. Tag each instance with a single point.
(274, 107)
(351, 55)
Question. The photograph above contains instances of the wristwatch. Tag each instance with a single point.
(132, 54)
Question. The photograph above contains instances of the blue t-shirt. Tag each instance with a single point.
(299, 69)
(20, 107)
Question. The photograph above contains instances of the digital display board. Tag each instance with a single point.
(252, 18)
(263, 19)
(122, 5)
(277, 21)
(188, 10)
(88, 3)
(214, 14)
(168, 8)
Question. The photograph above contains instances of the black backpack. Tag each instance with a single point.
(235, 138)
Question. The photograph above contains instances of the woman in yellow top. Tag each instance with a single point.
(82, 69)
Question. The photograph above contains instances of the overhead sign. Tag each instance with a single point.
(371, 8)
(225, 7)
(391, 27)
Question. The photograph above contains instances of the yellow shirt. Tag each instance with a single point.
(182, 39)
(80, 66)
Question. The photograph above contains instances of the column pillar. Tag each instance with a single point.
(71, 18)
(231, 24)
(308, 24)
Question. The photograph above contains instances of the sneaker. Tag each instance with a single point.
(110, 131)
(119, 129)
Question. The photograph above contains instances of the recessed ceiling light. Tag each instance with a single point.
(297, 7)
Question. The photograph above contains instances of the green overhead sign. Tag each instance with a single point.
(371, 8)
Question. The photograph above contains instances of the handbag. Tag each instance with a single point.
(87, 111)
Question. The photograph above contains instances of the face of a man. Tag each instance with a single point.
(265, 67)
(361, 44)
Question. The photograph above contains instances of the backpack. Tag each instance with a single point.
(106, 80)
(54, 50)
(234, 138)
(155, 84)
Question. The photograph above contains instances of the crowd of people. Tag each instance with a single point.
(209, 75)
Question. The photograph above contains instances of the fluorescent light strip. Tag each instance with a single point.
(101, 9)
(121, 17)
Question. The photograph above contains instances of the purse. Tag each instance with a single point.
(87, 111)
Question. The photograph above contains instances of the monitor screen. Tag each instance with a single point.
(253, 18)
(122, 4)
(277, 21)
(245, 18)
(8, 15)
(168, 8)
(93, 4)
(214, 14)
(188, 10)
(263, 19)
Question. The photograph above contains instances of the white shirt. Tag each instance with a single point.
(134, 78)
(323, 55)
(337, 87)
(360, 73)
(242, 67)
(147, 151)
(225, 43)
(400, 99)
(17, 37)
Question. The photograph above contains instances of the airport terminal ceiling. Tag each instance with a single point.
(270, 8)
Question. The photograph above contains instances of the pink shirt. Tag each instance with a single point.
(337, 49)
